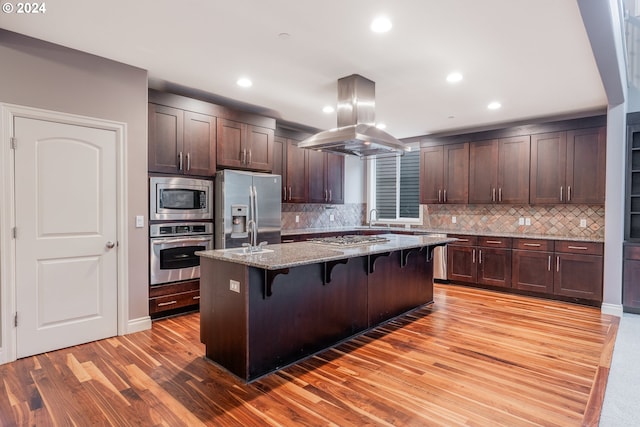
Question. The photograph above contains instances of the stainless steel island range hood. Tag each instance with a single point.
(356, 133)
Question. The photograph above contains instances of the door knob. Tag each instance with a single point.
(110, 245)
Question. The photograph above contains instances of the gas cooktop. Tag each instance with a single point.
(349, 240)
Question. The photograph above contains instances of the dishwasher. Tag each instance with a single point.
(440, 262)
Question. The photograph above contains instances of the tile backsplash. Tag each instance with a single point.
(312, 215)
(551, 220)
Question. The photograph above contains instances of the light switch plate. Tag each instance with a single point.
(139, 221)
(332, 218)
(454, 219)
(297, 218)
(527, 221)
(583, 223)
(521, 221)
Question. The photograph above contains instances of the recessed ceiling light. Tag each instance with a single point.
(328, 109)
(381, 24)
(494, 105)
(284, 36)
(244, 82)
(381, 125)
(454, 77)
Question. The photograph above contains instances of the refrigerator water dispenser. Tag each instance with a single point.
(239, 221)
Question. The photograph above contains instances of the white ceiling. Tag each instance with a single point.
(532, 56)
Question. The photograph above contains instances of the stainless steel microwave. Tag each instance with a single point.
(177, 198)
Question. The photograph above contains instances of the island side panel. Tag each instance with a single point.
(395, 287)
(304, 315)
(223, 314)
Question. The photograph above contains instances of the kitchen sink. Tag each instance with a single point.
(246, 252)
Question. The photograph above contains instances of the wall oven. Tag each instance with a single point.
(172, 250)
(180, 199)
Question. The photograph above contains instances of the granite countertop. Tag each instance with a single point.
(353, 229)
(301, 253)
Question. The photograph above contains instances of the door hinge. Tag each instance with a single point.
(14, 142)
(15, 320)
(14, 232)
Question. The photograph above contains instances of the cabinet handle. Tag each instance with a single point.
(561, 193)
(463, 240)
(325, 196)
(495, 242)
(533, 245)
(244, 156)
(473, 256)
(480, 256)
(500, 194)
(549, 264)
(568, 193)
(439, 194)
(196, 297)
(558, 264)
(162, 304)
(180, 161)
(330, 195)
(580, 248)
(188, 161)
(289, 193)
(444, 199)
(493, 194)
(284, 193)
(250, 156)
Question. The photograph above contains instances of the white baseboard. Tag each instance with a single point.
(2, 361)
(612, 309)
(138, 325)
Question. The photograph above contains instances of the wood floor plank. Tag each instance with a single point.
(474, 358)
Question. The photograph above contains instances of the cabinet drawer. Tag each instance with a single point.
(463, 240)
(590, 248)
(494, 242)
(632, 252)
(169, 302)
(533, 244)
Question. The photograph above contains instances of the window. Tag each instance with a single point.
(395, 187)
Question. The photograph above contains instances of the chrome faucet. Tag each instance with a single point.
(371, 216)
(253, 234)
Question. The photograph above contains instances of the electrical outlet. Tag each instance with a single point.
(521, 221)
(297, 218)
(332, 217)
(527, 221)
(454, 219)
(234, 286)
(139, 221)
(583, 223)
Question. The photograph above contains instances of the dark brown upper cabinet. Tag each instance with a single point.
(290, 162)
(499, 170)
(244, 146)
(325, 177)
(568, 167)
(444, 174)
(181, 142)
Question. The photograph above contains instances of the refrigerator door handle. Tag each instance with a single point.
(255, 205)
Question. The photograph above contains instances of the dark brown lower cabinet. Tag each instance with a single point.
(172, 298)
(461, 261)
(631, 280)
(578, 270)
(494, 267)
(488, 263)
(532, 265)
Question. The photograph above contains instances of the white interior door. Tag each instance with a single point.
(66, 261)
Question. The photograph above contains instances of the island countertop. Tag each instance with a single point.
(288, 255)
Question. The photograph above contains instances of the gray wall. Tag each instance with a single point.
(37, 74)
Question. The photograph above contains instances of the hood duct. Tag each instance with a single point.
(356, 133)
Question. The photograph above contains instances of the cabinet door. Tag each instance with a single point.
(578, 276)
(532, 271)
(296, 173)
(230, 150)
(315, 176)
(431, 174)
(166, 127)
(199, 144)
(548, 166)
(461, 264)
(631, 278)
(335, 178)
(259, 146)
(586, 150)
(483, 171)
(456, 173)
(513, 170)
(494, 267)
(280, 159)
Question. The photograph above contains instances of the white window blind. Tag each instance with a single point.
(398, 186)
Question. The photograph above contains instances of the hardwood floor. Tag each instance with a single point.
(474, 358)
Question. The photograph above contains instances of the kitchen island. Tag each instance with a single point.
(263, 311)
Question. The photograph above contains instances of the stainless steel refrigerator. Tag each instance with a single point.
(242, 197)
